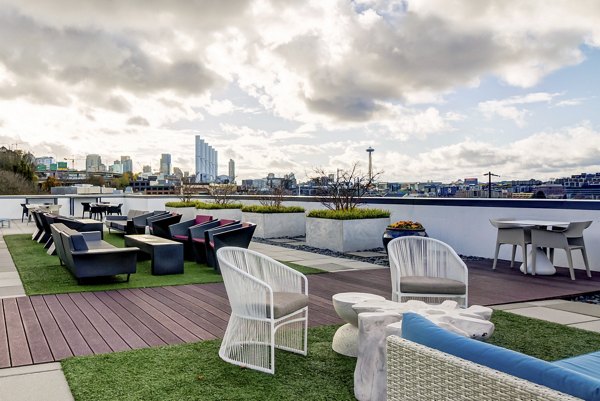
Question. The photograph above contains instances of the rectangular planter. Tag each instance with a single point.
(345, 235)
(275, 225)
(187, 213)
(228, 214)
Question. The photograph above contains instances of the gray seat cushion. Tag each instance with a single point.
(431, 285)
(285, 303)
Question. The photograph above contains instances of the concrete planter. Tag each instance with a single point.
(228, 214)
(275, 225)
(345, 235)
(187, 213)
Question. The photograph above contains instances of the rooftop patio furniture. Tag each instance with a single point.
(198, 239)
(426, 269)
(37, 235)
(511, 234)
(166, 256)
(124, 224)
(25, 212)
(114, 209)
(86, 208)
(46, 219)
(86, 255)
(141, 222)
(97, 210)
(431, 363)
(269, 309)
(81, 225)
(56, 229)
(160, 226)
(180, 232)
(569, 239)
(238, 235)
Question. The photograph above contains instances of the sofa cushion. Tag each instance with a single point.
(285, 303)
(224, 222)
(419, 329)
(431, 285)
(78, 242)
(588, 364)
(181, 237)
(201, 240)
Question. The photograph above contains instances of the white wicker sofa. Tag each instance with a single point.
(422, 372)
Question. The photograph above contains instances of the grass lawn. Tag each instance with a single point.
(195, 372)
(43, 274)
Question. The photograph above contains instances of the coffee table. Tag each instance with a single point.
(345, 340)
(166, 255)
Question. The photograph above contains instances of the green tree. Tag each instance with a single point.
(14, 184)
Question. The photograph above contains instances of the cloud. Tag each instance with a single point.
(507, 108)
(138, 120)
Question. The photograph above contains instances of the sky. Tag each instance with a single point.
(441, 89)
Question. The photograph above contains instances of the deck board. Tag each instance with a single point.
(52, 327)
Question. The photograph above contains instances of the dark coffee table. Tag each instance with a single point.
(166, 255)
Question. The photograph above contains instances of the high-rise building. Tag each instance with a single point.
(93, 162)
(206, 161)
(231, 171)
(127, 164)
(116, 167)
(44, 161)
(165, 164)
(147, 169)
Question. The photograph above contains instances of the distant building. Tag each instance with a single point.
(471, 181)
(92, 163)
(165, 164)
(147, 169)
(206, 161)
(116, 167)
(127, 164)
(231, 171)
(178, 173)
(45, 161)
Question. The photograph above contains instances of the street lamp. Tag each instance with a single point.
(490, 174)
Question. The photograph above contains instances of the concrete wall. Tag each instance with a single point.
(462, 223)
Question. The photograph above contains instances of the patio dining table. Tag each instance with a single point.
(543, 265)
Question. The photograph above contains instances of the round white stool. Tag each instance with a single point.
(345, 340)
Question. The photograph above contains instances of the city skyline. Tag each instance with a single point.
(442, 90)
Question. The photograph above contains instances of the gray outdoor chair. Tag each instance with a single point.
(569, 239)
(512, 235)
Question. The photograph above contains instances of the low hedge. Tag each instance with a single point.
(206, 205)
(354, 214)
(272, 209)
(181, 204)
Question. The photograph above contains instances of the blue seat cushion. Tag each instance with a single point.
(78, 242)
(588, 364)
(419, 329)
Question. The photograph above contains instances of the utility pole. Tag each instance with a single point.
(490, 175)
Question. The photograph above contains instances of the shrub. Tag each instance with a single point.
(272, 209)
(353, 214)
(181, 204)
(407, 225)
(206, 205)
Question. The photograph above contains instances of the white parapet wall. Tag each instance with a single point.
(229, 214)
(345, 235)
(276, 225)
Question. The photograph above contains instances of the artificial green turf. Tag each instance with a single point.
(42, 274)
(195, 372)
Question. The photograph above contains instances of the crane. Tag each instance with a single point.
(72, 160)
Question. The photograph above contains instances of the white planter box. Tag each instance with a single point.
(345, 235)
(187, 213)
(228, 214)
(275, 225)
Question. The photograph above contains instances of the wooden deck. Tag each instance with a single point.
(49, 328)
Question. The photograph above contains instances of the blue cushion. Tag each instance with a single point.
(78, 242)
(588, 364)
(419, 329)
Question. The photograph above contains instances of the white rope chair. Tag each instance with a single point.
(269, 309)
(426, 269)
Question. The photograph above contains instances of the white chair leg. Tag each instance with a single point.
(495, 256)
(586, 262)
(524, 249)
(570, 260)
(512, 259)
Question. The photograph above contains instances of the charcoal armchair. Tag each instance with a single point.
(198, 238)
(237, 235)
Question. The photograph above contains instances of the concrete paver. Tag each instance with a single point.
(552, 315)
(594, 325)
(579, 307)
(37, 382)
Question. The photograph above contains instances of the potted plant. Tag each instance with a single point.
(403, 228)
(187, 209)
(346, 230)
(276, 221)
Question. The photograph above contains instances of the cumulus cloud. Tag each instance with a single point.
(509, 108)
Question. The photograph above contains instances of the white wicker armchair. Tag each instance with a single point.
(269, 309)
(426, 269)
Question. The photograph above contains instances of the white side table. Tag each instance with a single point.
(345, 340)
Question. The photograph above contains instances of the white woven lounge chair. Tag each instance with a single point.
(426, 269)
(269, 309)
